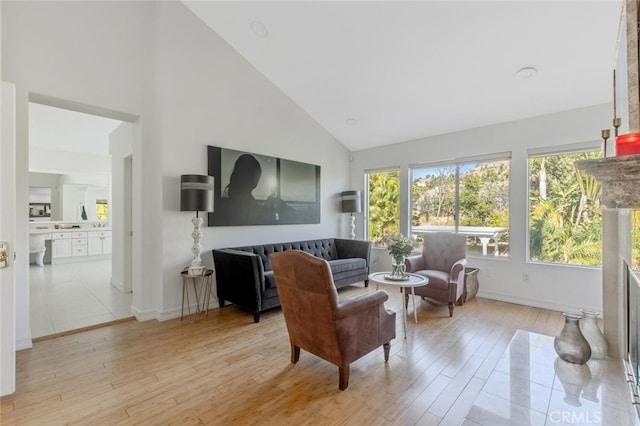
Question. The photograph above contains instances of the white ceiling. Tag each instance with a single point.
(57, 129)
(406, 70)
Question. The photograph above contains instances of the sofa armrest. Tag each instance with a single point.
(348, 249)
(239, 277)
(414, 263)
(353, 306)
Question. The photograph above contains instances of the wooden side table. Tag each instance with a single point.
(202, 292)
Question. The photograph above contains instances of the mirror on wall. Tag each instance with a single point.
(68, 198)
(84, 202)
(39, 203)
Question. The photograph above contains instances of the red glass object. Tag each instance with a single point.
(628, 144)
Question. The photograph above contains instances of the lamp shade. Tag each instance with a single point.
(351, 201)
(196, 193)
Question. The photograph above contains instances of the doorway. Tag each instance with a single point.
(77, 286)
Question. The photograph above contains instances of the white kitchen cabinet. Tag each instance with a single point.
(99, 242)
(61, 244)
(79, 243)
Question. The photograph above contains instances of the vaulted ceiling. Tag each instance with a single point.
(382, 72)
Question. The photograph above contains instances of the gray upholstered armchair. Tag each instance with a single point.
(443, 260)
(339, 332)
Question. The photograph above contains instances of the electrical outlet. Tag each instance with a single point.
(525, 277)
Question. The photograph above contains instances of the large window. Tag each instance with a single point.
(564, 210)
(470, 197)
(384, 204)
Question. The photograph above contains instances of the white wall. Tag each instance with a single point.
(90, 55)
(121, 149)
(156, 62)
(48, 161)
(550, 286)
(212, 96)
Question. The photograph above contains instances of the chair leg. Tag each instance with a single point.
(295, 354)
(256, 317)
(344, 377)
(451, 306)
(387, 349)
(366, 283)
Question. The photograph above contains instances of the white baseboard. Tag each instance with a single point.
(536, 303)
(176, 312)
(144, 315)
(119, 285)
(22, 344)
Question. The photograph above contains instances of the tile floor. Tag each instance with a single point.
(73, 295)
(530, 385)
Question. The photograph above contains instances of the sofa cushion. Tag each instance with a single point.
(437, 279)
(269, 280)
(343, 265)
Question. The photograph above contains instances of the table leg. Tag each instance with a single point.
(186, 290)
(184, 286)
(404, 313)
(413, 298)
(195, 290)
(207, 295)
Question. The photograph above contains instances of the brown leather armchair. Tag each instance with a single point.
(339, 332)
(443, 260)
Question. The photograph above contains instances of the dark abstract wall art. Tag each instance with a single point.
(252, 189)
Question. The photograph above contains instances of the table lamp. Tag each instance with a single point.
(196, 194)
(351, 203)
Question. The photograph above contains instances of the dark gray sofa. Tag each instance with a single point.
(244, 276)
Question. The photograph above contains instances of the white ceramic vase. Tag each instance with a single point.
(593, 334)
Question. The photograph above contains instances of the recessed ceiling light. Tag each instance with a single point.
(259, 29)
(526, 73)
(352, 121)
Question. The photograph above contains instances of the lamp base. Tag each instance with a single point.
(196, 267)
(196, 270)
(352, 235)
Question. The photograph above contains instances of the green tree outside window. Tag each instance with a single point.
(102, 210)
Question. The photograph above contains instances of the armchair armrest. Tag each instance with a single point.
(354, 306)
(414, 263)
(457, 271)
(239, 277)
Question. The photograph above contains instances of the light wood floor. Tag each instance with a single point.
(227, 370)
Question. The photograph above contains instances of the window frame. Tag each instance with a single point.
(457, 162)
(102, 202)
(367, 216)
(556, 150)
